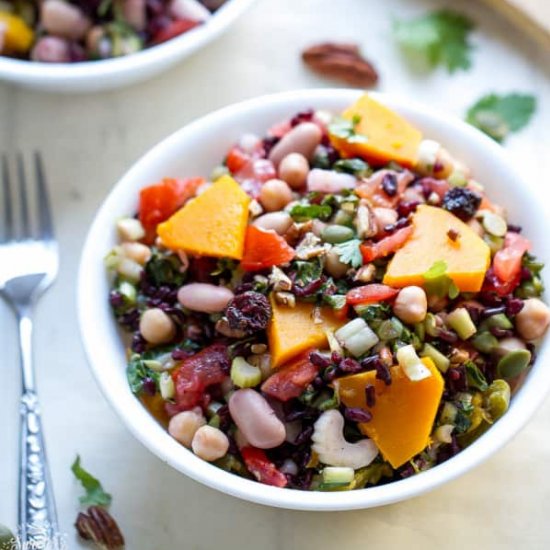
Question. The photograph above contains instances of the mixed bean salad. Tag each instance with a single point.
(339, 305)
(65, 31)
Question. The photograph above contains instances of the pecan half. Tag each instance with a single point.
(341, 62)
(99, 527)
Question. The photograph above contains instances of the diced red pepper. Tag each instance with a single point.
(507, 261)
(175, 28)
(493, 284)
(158, 202)
(236, 159)
(291, 379)
(259, 465)
(196, 373)
(370, 294)
(264, 249)
(387, 245)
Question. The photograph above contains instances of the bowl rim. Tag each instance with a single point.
(140, 422)
(173, 49)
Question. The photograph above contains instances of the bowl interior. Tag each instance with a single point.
(194, 150)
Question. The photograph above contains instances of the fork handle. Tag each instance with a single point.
(37, 515)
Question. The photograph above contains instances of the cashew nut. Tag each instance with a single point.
(334, 450)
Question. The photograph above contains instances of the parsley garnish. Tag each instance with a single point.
(438, 283)
(350, 253)
(498, 115)
(95, 495)
(304, 212)
(440, 38)
(475, 377)
(346, 129)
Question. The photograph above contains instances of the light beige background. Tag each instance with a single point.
(89, 141)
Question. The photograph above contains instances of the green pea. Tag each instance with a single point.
(335, 234)
(513, 363)
(484, 342)
(343, 218)
(497, 321)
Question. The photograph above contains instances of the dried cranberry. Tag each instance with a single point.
(462, 202)
(303, 116)
(149, 386)
(513, 306)
(319, 360)
(249, 312)
(116, 299)
(406, 208)
(389, 184)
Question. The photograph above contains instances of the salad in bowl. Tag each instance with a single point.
(338, 305)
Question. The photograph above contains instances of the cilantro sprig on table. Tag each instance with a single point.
(439, 37)
(499, 115)
(95, 494)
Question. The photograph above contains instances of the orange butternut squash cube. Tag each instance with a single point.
(212, 224)
(291, 330)
(388, 135)
(467, 258)
(403, 414)
(18, 36)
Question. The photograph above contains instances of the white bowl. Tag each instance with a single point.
(92, 76)
(194, 150)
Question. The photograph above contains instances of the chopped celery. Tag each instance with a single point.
(448, 413)
(243, 374)
(166, 386)
(357, 337)
(414, 369)
(441, 361)
(337, 474)
(461, 322)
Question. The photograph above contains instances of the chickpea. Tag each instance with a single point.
(334, 266)
(275, 195)
(411, 305)
(210, 443)
(138, 252)
(156, 326)
(533, 320)
(294, 169)
(184, 425)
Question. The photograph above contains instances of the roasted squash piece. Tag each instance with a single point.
(403, 413)
(467, 257)
(292, 330)
(381, 135)
(212, 224)
(18, 36)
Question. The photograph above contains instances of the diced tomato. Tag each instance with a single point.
(259, 465)
(507, 261)
(196, 373)
(264, 249)
(236, 159)
(158, 202)
(254, 174)
(373, 190)
(493, 284)
(175, 28)
(387, 245)
(370, 294)
(291, 379)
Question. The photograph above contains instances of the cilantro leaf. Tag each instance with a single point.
(350, 253)
(95, 495)
(304, 212)
(438, 283)
(476, 379)
(345, 129)
(498, 115)
(440, 38)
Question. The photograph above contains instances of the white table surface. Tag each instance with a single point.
(89, 141)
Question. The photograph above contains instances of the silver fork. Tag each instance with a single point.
(28, 265)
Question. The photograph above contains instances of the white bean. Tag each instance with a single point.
(156, 326)
(334, 266)
(204, 297)
(275, 195)
(134, 12)
(533, 320)
(302, 139)
(384, 217)
(256, 419)
(329, 181)
(209, 443)
(51, 49)
(184, 425)
(279, 222)
(411, 305)
(64, 20)
(138, 252)
(294, 169)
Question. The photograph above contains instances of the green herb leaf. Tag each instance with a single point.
(440, 38)
(498, 115)
(164, 268)
(350, 253)
(475, 377)
(138, 371)
(95, 495)
(304, 212)
(345, 129)
(306, 272)
(335, 301)
(355, 166)
(438, 283)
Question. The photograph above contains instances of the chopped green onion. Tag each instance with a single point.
(494, 224)
(441, 361)
(448, 413)
(461, 322)
(166, 386)
(243, 374)
(411, 364)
